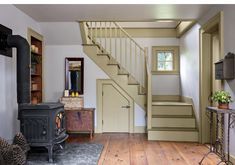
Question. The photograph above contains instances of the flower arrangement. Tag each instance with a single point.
(223, 98)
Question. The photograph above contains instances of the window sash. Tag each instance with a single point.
(164, 61)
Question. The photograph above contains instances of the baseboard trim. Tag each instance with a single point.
(186, 99)
(137, 129)
(232, 158)
(140, 129)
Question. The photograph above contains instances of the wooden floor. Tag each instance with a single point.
(135, 149)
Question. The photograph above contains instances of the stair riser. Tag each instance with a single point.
(173, 122)
(183, 136)
(122, 71)
(171, 98)
(131, 80)
(103, 60)
(172, 110)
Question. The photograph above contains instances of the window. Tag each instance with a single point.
(165, 60)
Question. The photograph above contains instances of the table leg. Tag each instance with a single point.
(211, 138)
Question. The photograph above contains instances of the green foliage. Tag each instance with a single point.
(222, 97)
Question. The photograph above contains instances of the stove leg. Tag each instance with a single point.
(50, 153)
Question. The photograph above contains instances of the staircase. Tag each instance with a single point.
(127, 64)
(172, 121)
(118, 55)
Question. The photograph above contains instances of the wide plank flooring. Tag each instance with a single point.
(135, 149)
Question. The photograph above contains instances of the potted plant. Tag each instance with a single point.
(223, 98)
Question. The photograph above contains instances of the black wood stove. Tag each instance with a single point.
(43, 125)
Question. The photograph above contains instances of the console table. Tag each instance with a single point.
(80, 120)
(218, 146)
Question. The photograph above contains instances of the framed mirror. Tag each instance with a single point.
(74, 75)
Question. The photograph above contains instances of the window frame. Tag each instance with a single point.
(176, 63)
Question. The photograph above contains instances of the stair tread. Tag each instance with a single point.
(173, 129)
(173, 116)
(168, 103)
(101, 54)
(133, 84)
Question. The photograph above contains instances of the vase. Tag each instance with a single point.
(223, 105)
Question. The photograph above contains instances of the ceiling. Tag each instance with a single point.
(111, 12)
(60, 19)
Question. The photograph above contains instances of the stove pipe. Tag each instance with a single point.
(23, 67)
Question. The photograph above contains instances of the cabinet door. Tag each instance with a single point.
(79, 120)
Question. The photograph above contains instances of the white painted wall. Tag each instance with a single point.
(166, 85)
(14, 19)
(189, 66)
(61, 33)
(162, 84)
(54, 73)
(229, 40)
(140, 116)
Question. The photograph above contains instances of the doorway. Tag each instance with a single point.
(114, 108)
(211, 51)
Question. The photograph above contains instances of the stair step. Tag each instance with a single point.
(178, 122)
(172, 116)
(172, 108)
(103, 54)
(122, 71)
(173, 134)
(132, 81)
(112, 61)
(166, 98)
(184, 129)
(167, 103)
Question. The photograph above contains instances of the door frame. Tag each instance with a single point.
(204, 69)
(99, 102)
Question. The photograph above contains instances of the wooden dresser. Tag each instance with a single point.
(80, 120)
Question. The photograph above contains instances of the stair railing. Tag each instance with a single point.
(115, 41)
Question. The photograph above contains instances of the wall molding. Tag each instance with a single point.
(216, 21)
(151, 32)
(183, 27)
(232, 158)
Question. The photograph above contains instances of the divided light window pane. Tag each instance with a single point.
(165, 61)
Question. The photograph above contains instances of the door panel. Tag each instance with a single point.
(115, 110)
